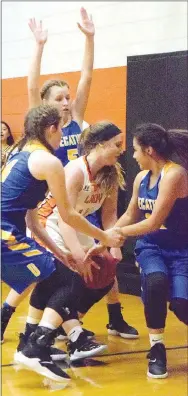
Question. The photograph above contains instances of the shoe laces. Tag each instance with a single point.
(82, 341)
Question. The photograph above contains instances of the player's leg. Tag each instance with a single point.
(85, 301)
(39, 298)
(154, 281)
(20, 272)
(81, 299)
(117, 325)
(178, 274)
(9, 306)
(60, 303)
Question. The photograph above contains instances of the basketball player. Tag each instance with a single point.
(160, 200)
(56, 92)
(7, 141)
(92, 182)
(31, 170)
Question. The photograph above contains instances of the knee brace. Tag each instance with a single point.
(155, 299)
(180, 308)
(90, 297)
(41, 294)
(63, 303)
(62, 276)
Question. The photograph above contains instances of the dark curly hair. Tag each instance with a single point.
(170, 144)
(10, 139)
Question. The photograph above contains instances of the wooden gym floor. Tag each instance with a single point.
(121, 371)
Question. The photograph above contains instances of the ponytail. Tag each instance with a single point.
(170, 144)
(178, 141)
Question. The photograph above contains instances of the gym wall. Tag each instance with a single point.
(122, 29)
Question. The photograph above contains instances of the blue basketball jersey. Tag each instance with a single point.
(174, 232)
(20, 190)
(68, 147)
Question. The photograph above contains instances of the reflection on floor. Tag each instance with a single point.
(120, 371)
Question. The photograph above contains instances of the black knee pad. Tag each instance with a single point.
(63, 302)
(180, 308)
(62, 276)
(90, 297)
(40, 296)
(155, 299)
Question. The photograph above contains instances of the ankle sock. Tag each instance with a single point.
(74, 333)
(156, 338)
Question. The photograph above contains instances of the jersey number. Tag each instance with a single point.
(72, 154)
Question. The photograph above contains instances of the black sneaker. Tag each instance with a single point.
(62, 336)
(55, 353)
(35, 356)
(83, 348)
(122, 329)
(157, 362)
(6, 313)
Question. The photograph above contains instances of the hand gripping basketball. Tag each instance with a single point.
(105, 275)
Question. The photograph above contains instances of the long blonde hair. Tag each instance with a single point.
(109, 177)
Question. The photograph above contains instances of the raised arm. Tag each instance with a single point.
(80, 102)
(33, 84)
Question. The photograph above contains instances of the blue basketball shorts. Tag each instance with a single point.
(173, 263)
(23, 261)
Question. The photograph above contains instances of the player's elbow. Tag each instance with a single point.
(154, 224)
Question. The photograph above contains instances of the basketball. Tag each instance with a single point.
(105, 275)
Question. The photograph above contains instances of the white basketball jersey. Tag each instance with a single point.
(90, 199)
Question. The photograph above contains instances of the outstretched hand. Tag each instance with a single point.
(95, 250)
(86, 26)
(66, 258)
(39, 34)
(87, 269)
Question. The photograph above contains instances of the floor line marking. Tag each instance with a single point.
(118, 353)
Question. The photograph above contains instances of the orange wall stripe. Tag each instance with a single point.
(107, 98)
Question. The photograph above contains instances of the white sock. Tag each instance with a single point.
(43, 323)
(31, 320)
(74, 333)
(156, 338)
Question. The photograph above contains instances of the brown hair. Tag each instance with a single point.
(46, 88)
(109, 177)
(35, 123)
(170, 144)
(10, 139)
